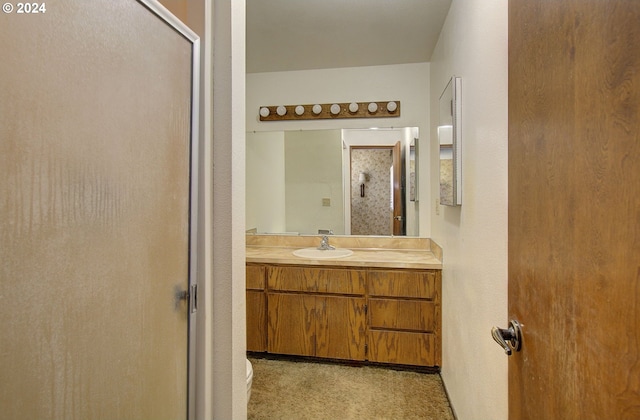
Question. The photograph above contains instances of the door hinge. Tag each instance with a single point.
(366, 349)
(365, 308)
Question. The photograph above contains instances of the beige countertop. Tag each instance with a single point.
(381, 252)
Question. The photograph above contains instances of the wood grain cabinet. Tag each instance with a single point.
(404, 317)
(386, 316)
(256, 308)
(316, 312)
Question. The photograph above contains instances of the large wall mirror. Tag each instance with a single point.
(341, 181)
(449, 138)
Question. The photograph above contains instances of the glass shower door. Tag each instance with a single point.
(95, 164)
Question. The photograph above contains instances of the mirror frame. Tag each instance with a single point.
(450, 143)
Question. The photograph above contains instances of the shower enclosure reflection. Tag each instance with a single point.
(306, 181)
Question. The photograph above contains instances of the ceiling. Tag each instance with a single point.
(285, 35)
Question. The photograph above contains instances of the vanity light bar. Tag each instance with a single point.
(383, 109)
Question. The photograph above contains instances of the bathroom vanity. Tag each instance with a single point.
(380, 304)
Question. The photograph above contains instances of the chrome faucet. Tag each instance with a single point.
(324, 244)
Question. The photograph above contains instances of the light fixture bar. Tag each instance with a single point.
(381, 109)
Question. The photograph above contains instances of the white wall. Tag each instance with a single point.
(313, 172)
(225, 259)
(265, 182)
(407, 83)
(473, 45)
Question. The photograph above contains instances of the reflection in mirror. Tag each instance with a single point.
(372, 209)
(449, 139)
(413, 170)
(304, 182)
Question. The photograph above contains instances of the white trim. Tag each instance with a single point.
(204, 390)
(168, 17)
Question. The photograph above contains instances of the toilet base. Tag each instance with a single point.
(249, 379)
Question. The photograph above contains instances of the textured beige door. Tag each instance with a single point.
(95, 108)
(574, 208)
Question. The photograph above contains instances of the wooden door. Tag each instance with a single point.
(95, 162)
(340, 328)
(398, 214)
(574, 208)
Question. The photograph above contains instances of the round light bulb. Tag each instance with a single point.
(335, 109)
(264, 112)
(353, 107)
(299, 110)
(281, 110)
(392, 106)
(373, 107)
(317, 109)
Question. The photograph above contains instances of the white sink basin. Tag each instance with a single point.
(317, 254)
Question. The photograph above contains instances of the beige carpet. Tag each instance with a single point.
(295, 390)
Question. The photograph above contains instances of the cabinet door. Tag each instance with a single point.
(403, 347)
(319, 280)
(340, 327)
(255, 276)
(418, 315)
(256, 308)
(291, 324)
(410, 284)
(256, 320)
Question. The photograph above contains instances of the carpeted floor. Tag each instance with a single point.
(299, 390)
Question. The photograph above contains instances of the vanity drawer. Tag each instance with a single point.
(316, 280)
(410, 284)
(255, 277)
(418, 315)
(406, 348)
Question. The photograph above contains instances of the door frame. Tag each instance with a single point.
(194, 191)
(399, 226)
(398, 192)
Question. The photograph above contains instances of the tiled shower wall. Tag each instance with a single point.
(371, 214)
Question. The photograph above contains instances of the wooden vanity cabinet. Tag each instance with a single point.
(380, 315)
(404, 317)
(256, 308)
(316, 312)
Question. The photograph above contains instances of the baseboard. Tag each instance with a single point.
(354, 363)
(446, 393)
